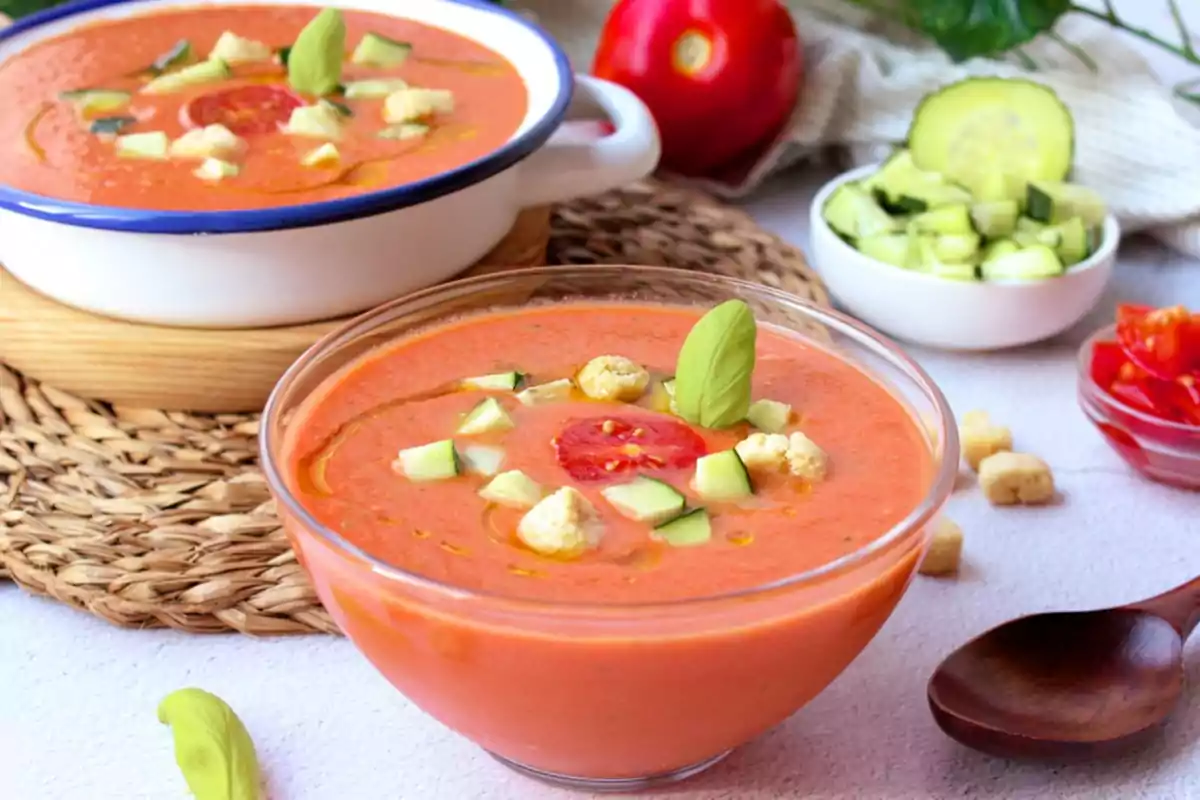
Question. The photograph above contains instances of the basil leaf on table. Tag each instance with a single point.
(314, 63)
(716, 364)
(212, 747)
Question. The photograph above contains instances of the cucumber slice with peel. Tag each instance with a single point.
(853, 212)
(995, 218)
(496, 382)
(991, 135)
(686, 530)
(646, 500)
(1073, 245)
(722, 476)
(435, 461)
(948, 219)
(1058, 202)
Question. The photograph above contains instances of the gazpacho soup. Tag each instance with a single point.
(604, 454)
(593, 498)
(226, 107)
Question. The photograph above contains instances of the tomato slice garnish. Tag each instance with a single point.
(602, 448)
(1163, 341)
(245, 110)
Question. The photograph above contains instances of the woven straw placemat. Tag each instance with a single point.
(147, 518)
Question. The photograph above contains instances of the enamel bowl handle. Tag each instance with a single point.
(572, 165)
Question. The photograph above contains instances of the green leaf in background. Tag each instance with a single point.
(315, 60)
(716, 363)
(982, 28)
(212, 747)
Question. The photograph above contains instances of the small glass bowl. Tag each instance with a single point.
(626, 696)
(1164, 451)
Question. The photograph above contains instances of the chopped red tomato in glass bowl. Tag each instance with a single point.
(1139, 383)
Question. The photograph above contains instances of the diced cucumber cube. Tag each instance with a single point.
(429, 462)
(151, 145)
(326, 155)
(194, 75)
(1051, 202)
(373, 89)
(558, 391)
(722, 476)
(514, 489)
(947, 219)
(496, 382)
(853, 213)
(687, 530)
(995, 218)
(375, 50)
(1029, 263)
(769, 416)
(646, 500)
(956, 247)
(486, 417)
(482, 460)
(890, 248)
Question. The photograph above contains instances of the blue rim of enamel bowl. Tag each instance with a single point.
(131, 220)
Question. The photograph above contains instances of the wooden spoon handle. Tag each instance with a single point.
(1179, 606)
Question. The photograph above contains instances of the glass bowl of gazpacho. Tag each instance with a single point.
(246, 163)
(608, 522)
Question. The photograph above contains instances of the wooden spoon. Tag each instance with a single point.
(1068, 685)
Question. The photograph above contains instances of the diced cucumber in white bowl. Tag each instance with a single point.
(995, 278)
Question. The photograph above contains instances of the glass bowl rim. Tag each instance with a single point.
(942, 485)
(1095, 393)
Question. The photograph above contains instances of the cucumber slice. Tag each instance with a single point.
(646, 500)
(852, 212)
(405, 130)
(482, 460)
(995, 218)
(957, 247)
(110, 126)
(931, 264)
(1000, 248)
(1029, 263)
(92, 101)
(722, 476)
(1058, 202)
(990, 134)
(496, 382)
(365, 90)
(435, 461)
(686, 530)
(379, 51)
(947, 219)
(769, 416)
(195, 75)
(514, 489)
(486, 417)
(558, 391)
(151, 145)
(1072, 244)
(179, 54)
(890, 248)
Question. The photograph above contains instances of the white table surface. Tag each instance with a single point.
(78, 697)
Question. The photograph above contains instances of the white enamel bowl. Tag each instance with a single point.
(302, 263)
(948, 314)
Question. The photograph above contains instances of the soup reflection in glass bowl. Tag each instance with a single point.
(248, 165)
(497, 503)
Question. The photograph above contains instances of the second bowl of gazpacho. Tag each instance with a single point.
(239, 165)
(608, 522)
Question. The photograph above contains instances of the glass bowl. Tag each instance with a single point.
(1164, 451)
(641, 694)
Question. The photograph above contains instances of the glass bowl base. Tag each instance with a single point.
(613, 785)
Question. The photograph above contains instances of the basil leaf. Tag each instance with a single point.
(212, 747)
(716, 363)
(967, 29)
(315, 61)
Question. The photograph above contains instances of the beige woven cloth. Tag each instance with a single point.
(1134, 142)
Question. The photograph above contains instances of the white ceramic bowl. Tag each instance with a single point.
(302, 263)
(954, 315)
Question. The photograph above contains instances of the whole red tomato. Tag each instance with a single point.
(721, 77)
